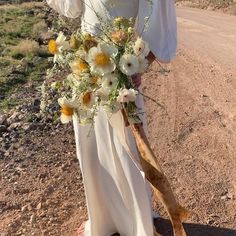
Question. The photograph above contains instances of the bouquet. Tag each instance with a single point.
(100, 77)
(100, 70)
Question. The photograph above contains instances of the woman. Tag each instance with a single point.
(118, 198)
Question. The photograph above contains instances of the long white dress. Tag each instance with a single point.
(117, 195)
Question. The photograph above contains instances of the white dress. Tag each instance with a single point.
(117, 195)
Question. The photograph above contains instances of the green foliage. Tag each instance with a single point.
(22, 59)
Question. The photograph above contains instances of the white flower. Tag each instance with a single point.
(67, 109)
(101, 58)
(109, 82)
(57, 46)
(141, 47)
(127, 95)
(143, 64)
(129, 64)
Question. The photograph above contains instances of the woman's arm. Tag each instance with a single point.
(68, 8)
(161, 30)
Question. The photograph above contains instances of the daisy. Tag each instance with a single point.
(67, 109)
(87, 100)
(127, 95)
(109, 82)
(141, 47)
(56, 47)
(79, 66)
(129, 64)
(100, 58)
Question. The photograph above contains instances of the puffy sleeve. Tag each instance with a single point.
(68, 8)
(160, 31)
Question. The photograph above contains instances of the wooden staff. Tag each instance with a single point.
(157, 179)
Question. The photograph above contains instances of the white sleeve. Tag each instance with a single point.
(161, 31)
(68, 8)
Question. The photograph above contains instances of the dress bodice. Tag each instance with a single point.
(106, 9)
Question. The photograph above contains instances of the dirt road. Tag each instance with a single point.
(195, 135)
(211, 33)
(41, 190)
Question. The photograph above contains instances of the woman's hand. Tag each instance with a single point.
(136, 80)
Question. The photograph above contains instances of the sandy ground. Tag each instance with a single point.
(194, 136)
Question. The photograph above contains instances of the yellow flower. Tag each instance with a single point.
(100, 58)
(56, 47)
(79, 66)
(87, 100)
(67, 109)
(52, 46)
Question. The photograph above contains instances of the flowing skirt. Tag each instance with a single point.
(117, 194)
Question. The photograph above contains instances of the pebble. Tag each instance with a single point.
(14, 126)
(24, 208)
(32, 219)
(39, 206)
(13, 118)
(3, 118)
(3, 128)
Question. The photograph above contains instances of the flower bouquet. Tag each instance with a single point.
(101, 69)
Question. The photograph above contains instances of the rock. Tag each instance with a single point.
(28, 126)
(14, 126)
(36, 105)
(3, 119)
(32, 219)
(7, 154)
(24, 208)
(29, 207)
(39, 206)
(13, 118)
(3, 128)
(45, 36)
(21, 116)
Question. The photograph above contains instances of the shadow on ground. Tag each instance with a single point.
(165, 229)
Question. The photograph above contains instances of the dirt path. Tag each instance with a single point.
(195, 135)
(211, 33)
(40, 182)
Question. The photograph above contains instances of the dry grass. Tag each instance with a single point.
(26, 47)
(25, 5)
(39, 28)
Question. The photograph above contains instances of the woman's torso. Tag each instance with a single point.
(106, 9)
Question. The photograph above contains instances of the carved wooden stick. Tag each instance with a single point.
(158, 180)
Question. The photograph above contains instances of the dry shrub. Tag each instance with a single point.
(26, 47)
(26, 5)
(39, 28)
(32, 5)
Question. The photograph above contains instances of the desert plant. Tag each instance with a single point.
(38, 28)
(26, 47)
